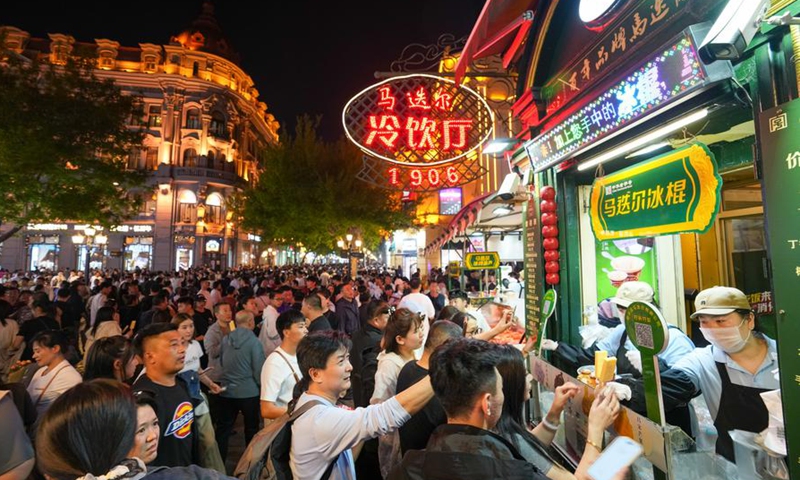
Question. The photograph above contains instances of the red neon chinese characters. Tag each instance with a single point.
(387, 100)
(419, 100)
(384, 128)
(420, 133)
(459, 127)
(442, 100)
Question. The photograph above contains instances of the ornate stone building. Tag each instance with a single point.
(205, 127)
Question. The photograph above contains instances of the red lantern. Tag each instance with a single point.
(549, 231)
(549, 219)
(550, 243)
(552, 267)
(552, 279)
(547, 193)
(551, 256)
(548, 206)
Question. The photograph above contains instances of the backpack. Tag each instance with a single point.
(267, 455)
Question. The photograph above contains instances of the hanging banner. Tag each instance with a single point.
(677, 192)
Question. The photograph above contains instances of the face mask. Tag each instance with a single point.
(727, 339)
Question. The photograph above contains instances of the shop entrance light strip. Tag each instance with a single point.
(644, 140)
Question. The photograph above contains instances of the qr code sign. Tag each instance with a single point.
(644, 335)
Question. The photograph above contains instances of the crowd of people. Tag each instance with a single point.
(126, 375)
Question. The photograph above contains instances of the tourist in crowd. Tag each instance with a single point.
(111, 357)
(147, 433)
(533, 444)
(106, 324)
(193, 374)
(415, 433)
(268, 335)
(347, 310)
(90, 433)
(466, 381)
(41, 320)
(163, 353)
(366, 348)
(281, 372)
(241, 357)
(312, 309)
(8, 332)
(55, 374)
(325, 366)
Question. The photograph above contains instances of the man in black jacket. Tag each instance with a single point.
(364, 354)
(465, 379)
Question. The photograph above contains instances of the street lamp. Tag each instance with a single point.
(352, 249)
(92, 237)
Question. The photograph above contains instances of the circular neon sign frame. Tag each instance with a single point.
(363, 105)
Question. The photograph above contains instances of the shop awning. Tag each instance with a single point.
(459, 224)
(501, 28)
(480, 215)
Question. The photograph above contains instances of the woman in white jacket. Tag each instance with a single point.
(402, 336)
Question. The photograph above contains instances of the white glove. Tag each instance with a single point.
(623, 392)
(548, 344)
(635, 357)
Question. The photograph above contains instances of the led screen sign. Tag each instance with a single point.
(419, 120)
(671, 74)
(449, 201)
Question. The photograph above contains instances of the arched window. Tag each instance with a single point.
(217, 127)
(187, 196)
(187, 207)
(214, 204)
(221, 162)
(210, 159)
(190, 157)
(193, 119)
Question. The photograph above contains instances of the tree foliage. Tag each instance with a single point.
(64, 143)
(308, 193)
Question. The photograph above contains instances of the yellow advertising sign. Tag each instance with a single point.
(675, 193)
(482, 260)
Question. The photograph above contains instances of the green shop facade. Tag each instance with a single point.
(674, 162)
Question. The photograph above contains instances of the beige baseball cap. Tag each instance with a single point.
(630, 292)
(720, 301)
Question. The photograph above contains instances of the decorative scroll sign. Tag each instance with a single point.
(425, 127)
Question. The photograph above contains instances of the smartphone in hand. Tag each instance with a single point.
(618, 455)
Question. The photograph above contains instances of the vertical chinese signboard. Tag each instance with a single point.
(533, 264)
(779, 137)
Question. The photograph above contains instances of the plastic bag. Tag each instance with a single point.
(592, 331)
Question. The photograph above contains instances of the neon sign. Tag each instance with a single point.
(670, 75)
(424, 178)
(418, 120)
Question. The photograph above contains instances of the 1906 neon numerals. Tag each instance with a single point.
(417, 177)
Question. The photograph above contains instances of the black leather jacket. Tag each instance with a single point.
(465, 453)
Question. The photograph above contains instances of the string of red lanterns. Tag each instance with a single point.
(547, 207)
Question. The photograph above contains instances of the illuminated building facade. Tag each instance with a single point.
(204, 128)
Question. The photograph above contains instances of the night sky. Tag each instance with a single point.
(304, 56)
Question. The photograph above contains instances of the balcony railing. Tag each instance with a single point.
(230, 177)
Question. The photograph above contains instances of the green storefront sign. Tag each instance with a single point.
(779, 137)
(481, 260)
(675, 193)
